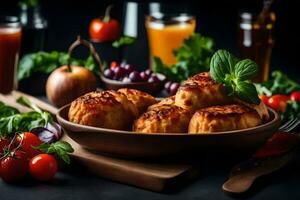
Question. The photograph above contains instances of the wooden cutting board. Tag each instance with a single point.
(152, 175)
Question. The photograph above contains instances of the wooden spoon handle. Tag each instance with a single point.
(238, 184)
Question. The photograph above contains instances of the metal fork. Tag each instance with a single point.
(290, 125)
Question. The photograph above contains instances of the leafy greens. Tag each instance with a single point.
(11, 120)
(235, 74)
(280, 83)
(46, 62)
(192, 57)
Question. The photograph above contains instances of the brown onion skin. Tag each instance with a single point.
(64, 86)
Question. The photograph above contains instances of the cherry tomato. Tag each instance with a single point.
(43, 167)
(14, 167)
(114, 64)
(295, 96)
(106, 29)
(264, 99)
(278, 102)
(4, 142)
(29, 140)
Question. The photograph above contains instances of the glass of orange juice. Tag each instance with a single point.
(166, 33)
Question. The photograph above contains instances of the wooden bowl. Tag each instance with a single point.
(138, 145)
(151, 88)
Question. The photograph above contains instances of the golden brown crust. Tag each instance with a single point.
(261, 109)
(201, 91)
(223, 118)
(141, 100)
(166, 101)
(163, 119)
(106, 109)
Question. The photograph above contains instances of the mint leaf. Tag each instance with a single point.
(247, 92)
(225, 68)
(61, 149)
(245, 69)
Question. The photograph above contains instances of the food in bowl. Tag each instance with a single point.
(163, 119)
(223, 118)
(130, 109)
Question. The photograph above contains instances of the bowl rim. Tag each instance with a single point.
(274, 121)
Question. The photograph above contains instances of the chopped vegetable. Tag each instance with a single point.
(192, 57)
(234, 74)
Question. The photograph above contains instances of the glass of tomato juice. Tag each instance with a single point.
(10, 39)
(166, 32)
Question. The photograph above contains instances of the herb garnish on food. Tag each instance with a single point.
(235, 74)
(192, 57)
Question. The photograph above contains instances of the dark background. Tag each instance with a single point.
(217, 19)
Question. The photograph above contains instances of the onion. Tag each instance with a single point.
(50, 133)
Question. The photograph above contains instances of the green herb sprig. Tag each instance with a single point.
(60, 148)
(123, 41)
(235, 74)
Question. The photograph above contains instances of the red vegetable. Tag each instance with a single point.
(43, 167)
(4, 142)
(277, 145)
(106, 29)
(28, 140)
(295, 96)
(14, 166)
(264, 99)
(278, 102)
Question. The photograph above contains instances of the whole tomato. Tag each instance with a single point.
(106, 29)
(278, 102)
(295, 96)
(14, 166)
(27, 141)
(43, 167)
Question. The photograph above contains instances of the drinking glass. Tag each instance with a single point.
(10, 39)
(166, 32)
(255, 41)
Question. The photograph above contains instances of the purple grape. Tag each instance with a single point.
(148, 72)
(153, 78)
(119, 73)
(135, 76)
(129, 68)
(126, 80)
(173, 88)
(108, 73)
(168, 85)
(144, 76)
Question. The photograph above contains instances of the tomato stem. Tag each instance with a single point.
(107, 13)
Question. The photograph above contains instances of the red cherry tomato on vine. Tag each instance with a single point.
(106, 29)
(43, 167)
(14, 166)
(278, 102)
(29, 140)
(264, 99)
(295, 96)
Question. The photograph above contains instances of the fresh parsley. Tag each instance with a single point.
(279, 83)
(191, 58)
(235, 74)
(60, 148)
